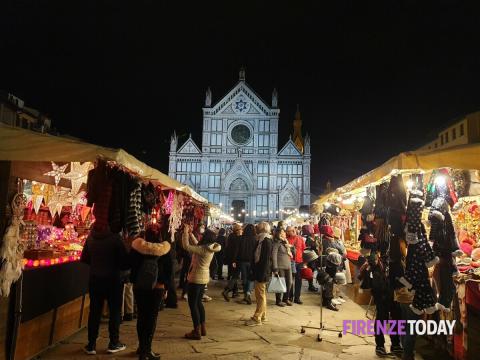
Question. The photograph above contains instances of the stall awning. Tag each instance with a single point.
(18, 144)
(458, 157)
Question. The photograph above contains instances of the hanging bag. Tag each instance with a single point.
(277, 285)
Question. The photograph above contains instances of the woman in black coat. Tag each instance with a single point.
(150, 278)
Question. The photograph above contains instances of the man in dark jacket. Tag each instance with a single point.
(244, 258)
(105, 252)
(261, 272)
(220, 256)
(231, 253)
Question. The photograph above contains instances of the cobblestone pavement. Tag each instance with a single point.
(229, 339)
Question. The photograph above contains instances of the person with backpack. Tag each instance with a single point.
(198, 276)
(150, 279)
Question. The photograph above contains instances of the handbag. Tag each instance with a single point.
(277, 285)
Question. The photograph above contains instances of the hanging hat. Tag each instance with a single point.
(334, 258)
(309, 256)
(307, 273)
(327, 230)
(340, 278)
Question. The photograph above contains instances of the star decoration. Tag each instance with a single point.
(58, 172)
(57, 202)
(77, 199)
(78, 175)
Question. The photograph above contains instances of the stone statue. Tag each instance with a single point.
(208, 98)
(274, 98)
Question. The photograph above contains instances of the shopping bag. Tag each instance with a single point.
(277, 285)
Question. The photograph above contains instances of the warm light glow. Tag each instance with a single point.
(409, 184)
(440, 180)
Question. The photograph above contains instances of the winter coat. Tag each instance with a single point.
(232, 246)
(332, 243)
(280, 258)
(221, 240)
(106, 254)
(202, 256)
(246, 249)
(142, 250)
(299, 244)
(262, 270)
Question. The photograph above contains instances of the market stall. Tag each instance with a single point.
(52, 190)
(422, 208)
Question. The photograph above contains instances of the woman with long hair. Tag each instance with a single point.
(282, 264)
(198, 276)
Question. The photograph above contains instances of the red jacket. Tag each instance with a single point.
(299, 244)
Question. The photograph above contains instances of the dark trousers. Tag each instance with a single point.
(101, 290)
(234, 276)
(245, 272)
(287, 274)
(195, 295)
(408, 340)
(148, 303)
(219, 259)
(298, 281)
(184, 273)
(387, 309)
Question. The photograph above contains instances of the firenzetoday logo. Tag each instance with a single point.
(398, 327)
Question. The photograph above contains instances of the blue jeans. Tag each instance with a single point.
(408, 341)
(245, 271)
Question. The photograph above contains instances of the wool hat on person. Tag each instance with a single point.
(307, 230)
(309, 256)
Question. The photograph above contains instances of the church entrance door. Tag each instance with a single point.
(239, 210)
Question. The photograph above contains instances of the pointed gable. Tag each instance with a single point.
(189, 148)
(248, 102)
(290, 149)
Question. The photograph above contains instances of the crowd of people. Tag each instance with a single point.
(254, 257)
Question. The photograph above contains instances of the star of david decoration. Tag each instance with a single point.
(241, 105)
(58, 172)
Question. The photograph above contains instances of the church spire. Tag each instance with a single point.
(297, 130)
(208, 97)
(274, 98)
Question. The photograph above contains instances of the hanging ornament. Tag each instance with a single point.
(77, 199)
(57, 202)
(167, 206)
(78, 175)
(37, 196)
(175, 219)
(84, 213)
(58, 172)
(37, 203)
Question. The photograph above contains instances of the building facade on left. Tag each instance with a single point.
(14, 112)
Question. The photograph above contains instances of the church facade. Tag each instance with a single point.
(239, 165)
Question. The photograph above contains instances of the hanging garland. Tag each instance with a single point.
(176, 215)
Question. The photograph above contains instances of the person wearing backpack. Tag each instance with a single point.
(149, 280)
(198, 276)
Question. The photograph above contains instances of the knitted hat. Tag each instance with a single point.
(307, 230)
(340, 278)
(327, 230)
(309, 256)
(334, 258)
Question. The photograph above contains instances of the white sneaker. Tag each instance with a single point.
(206, 298)
(341, 300)
(336, 302)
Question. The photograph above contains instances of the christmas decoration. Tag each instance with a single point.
(11, 250)
(58, 172)
(78, 175)
(175, 219)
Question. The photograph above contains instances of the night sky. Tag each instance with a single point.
(373, 78)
